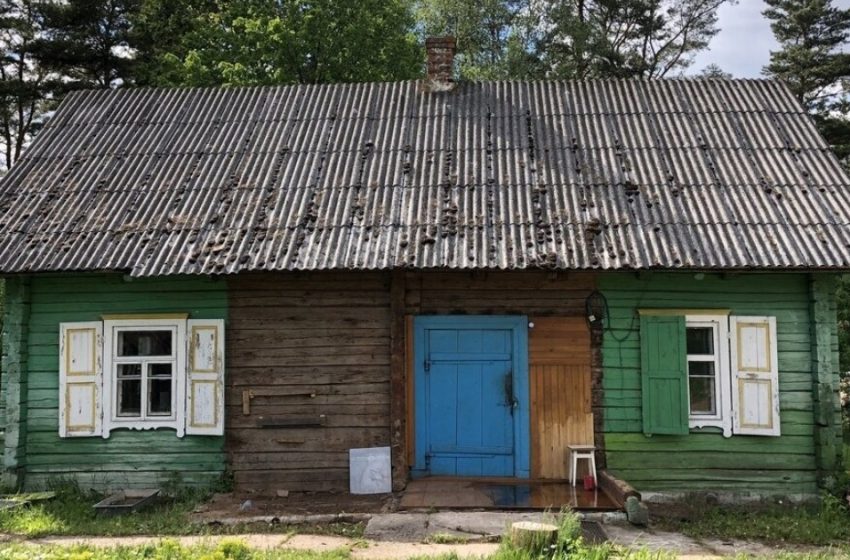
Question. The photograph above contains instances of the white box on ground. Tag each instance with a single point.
(370, 470)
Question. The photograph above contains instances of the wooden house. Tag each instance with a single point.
(257, 280)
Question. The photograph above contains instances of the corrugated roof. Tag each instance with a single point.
(605, 174)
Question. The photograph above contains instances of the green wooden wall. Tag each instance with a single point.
(126, 458)
(704, 459)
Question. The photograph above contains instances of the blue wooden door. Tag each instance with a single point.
(470, 396)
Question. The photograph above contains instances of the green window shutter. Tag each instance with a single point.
(663, 358)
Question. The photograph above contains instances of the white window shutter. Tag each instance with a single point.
(205, 371)
(80, 379)
(755, 376)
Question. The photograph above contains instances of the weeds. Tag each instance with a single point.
(446, 538)
(824, 525)
(227, 549)
(71, 513)
(569, 544)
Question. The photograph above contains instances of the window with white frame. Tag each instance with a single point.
(706, 343)
(141, 373)
(709, 370)
(144, 371)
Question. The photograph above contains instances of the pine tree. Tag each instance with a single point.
(26, 89)
(627, 38)
(88, 41)
(811, 35)
(573, 38)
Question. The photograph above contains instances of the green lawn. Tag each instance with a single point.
(71, 513)
(772, 524)
(232, 549)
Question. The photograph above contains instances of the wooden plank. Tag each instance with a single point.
(559, 357)
(132, 459)
(310, 346)
(704, 459)
(824, 394)
(398, 389)
(410, 372)
(14, 367)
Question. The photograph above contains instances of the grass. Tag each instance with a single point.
(230, 549)
(71, 513)
(828, 524)
(446, 538)
(569, 543)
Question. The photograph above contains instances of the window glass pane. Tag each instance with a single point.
(701, 368)
(144, 343)
(159, 396)
(700, 340)
(129, 397)
(159, 370)
(129, 370)
(701, 385)
(702, 395)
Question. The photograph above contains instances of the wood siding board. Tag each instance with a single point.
(560, 358)
(133, 459)
(739, 463)
(287, 341)
(398, 391)
(547, 299)
(824, 398)
(16, 318)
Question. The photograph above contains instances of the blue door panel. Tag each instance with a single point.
(468, 370)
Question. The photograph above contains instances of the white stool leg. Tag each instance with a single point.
(593, 467)
(574, 461)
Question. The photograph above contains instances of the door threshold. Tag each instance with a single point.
(502, 494)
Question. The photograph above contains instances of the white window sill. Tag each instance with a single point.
(724, 425)
(140, 425)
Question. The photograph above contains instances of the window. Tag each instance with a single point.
(141, 373)
(704, 370)
(144, 366)
(706, 342)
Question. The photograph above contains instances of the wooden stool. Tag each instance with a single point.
(582, 452)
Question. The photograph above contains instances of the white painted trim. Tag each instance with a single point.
(72, 381)
(723, 382)
(177, 420)
(209, 375)
(768, 374)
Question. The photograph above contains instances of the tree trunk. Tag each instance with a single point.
(532, 536)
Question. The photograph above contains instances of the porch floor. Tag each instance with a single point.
(501, 493)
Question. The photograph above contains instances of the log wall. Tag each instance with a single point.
(704, 459)
(127, 458)
(314, 350)
(324, 362)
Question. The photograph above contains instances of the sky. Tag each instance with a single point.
(744, 43)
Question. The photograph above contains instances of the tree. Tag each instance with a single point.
(248, 42)
(87, 41)
(811, 61)
(627, 38)
(714, 71)
(159, 31)
(573, 38)
(495, 38)
(26, 89)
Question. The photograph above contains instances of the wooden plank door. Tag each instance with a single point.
(466, 399)
(560, 385)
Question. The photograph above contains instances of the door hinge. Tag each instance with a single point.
(427, 365)
(427, 461)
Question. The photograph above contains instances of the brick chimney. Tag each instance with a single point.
(440, 65)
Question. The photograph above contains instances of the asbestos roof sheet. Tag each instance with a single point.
(723, 174)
